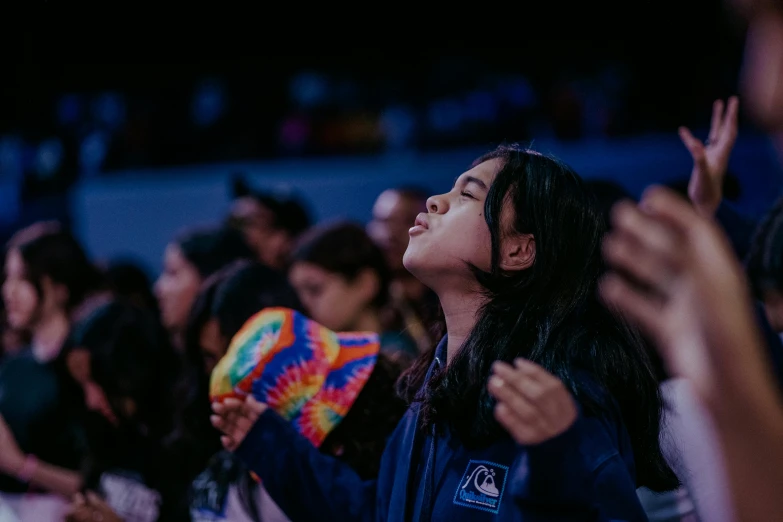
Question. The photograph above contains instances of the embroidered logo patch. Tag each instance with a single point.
(482, 486)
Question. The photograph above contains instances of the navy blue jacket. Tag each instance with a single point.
(585, 474)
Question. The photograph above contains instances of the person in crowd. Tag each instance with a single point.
(676, 276)
(47, 277)
(117, 358)
(271, 225)
(413, 307)
(223, 489)
(187, 262)
(513, 252)
(343, 281)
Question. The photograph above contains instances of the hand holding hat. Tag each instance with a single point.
(304, 372)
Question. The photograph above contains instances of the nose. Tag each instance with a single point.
(437, 204)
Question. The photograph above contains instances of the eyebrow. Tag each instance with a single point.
(471, 179)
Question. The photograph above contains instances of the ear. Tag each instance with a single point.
(367, 284)
(517, 252)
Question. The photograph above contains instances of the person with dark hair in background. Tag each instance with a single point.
(413, 307)
(271, 224)
(343, 281)
(47, 277)
(187, 262)
(118, 357)
(539, 404)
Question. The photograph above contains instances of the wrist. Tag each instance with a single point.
(25, 468)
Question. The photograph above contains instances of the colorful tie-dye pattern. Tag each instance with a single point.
(306, 373)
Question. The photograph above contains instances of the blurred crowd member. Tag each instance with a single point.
(513, 252)
(118, 359)
(225, 301)
(343, 281)
(221, 488)
(47, 275)
(187, 262)
(677, 277)
(414, 307)
(271, 225)
(122, 362)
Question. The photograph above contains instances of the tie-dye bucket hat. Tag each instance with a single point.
(305, 372)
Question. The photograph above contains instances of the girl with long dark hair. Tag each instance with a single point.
(513, 253)
(47, 278)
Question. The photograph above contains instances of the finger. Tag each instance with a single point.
(508, 395)
(694, 146)
(254, 405)
(519, 380)
(665, 204)
(228, 443)
(634, 224)
(647, 268)
(218, 422)
(78, 499)
(93, 499)
(717, 121)
(519, 430)
(638, 307)
(536, 372)
(728, 131)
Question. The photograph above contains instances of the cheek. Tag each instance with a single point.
(331, 307)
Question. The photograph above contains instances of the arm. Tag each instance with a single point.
(28, 469)
(555, 481)
(305, 483)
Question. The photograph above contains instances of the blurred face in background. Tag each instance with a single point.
(330, 299)
(176, 288)
(392, 216)
(270, 244)
(23, 305)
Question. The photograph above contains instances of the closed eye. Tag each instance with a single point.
(467, 195)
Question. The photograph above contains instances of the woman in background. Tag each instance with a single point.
(342, 278)
(187, 262)
(47, 276)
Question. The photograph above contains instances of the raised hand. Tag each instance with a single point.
(533, 405)
(234, 418)
(711, 159)
(677, 278)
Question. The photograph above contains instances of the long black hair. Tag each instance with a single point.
(549, 314)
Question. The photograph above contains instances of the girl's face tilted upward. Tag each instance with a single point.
(453, 234)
